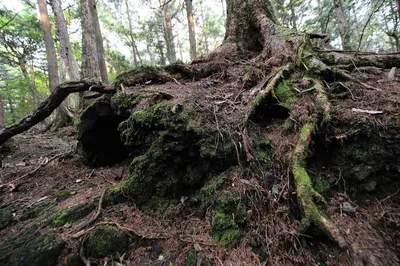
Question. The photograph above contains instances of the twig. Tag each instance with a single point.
(94, 218)
(85, 260)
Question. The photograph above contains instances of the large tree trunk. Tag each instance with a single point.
(90, 64)
(344, 29)
(192, 35)
(62, 115)
(99, 42)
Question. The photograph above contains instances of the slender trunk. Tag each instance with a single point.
(344, 29)
(293, 17)
(66, 53)
(99, 42)
(68, 64)
(1, 113)
(192, 35)
(398, 8)
(133, 43)
(52, 67)
(90, 66)
(12, 110)
(168, 32)
(31, 85)
(61, 114)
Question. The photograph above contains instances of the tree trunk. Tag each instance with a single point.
(28, 80)
(293, 17)
(1, 113)
(99, 42)
(67, 59)
(90, 64)
(52, 67)
(133, 43)
(62, 114)
(344, 30)
(168, 31)
(192, 35)
(398, 8)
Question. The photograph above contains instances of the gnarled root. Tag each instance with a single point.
(306, 194)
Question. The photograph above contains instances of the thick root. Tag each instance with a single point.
(306, 194)
(265, 91)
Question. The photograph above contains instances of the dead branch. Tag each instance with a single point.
(51, 103)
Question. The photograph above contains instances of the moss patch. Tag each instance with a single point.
(31, 248)
(38, 210)
(6, 216)
(284, 93)
(107, 241)
(71, 214)
(226, 208)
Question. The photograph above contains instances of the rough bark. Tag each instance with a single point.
(398, 7)
(192, 35)
(344, 30)
(90, 65)
(99, 42)
(62, 114)
(168, 31)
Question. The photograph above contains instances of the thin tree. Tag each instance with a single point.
(192, 34)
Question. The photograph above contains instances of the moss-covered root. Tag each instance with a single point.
(321, 99)
(271, 84)
(306, 194)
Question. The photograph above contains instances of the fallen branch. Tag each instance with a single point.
(51, 103)
(371, 112)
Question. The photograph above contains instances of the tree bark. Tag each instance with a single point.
(90, 65)
(99, 42)
(168, 31)
(344, 30)
(192, 35)
(65, 45)
(62, 114)
(398, 7)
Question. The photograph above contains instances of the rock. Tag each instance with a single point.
(347, 207)
(107, 241)
(361, 172)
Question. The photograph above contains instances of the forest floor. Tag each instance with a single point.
(45, 167)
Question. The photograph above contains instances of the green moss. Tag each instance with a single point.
(31, 248)
(107, 241)
(191, 258)
(6, 216)
(322, 187)
(284, 93)
(225, 230)
(64, 193)
(71, 214)
(38, 210)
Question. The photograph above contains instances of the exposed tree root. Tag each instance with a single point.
(262, 96)
(51, 103)
(306, 194)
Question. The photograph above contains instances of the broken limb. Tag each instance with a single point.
(51, 103)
